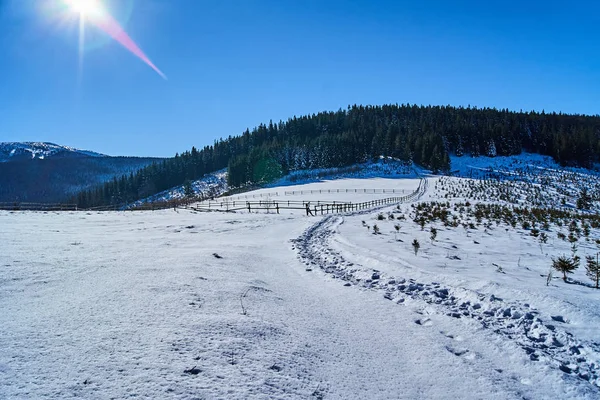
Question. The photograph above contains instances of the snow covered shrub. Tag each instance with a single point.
(375, 230)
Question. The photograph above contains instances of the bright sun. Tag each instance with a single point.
(85, 7)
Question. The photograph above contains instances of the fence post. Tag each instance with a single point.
(277, 205)
(248, 203)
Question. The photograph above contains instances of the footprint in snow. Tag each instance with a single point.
(424, 322)
(457, 352)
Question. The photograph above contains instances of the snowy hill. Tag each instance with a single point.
(16, 151)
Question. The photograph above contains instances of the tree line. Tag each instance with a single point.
(425, 135)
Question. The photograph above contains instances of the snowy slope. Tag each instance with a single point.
(531, 178)
(385, 167)
(13, 151)
(209, 186)
(122, 304)
(181, 305)
(215, 184)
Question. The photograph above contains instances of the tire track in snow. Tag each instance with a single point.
(545, 341)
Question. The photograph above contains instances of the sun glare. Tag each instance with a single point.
(94, 13)
(85, 7)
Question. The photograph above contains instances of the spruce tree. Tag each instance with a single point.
(416, 246)
(593, 269)
(584, 201)
(566, 265)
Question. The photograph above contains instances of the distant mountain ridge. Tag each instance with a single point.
(43, 172)
(17, 151)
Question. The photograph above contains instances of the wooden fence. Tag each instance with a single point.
(37, 207)
(199, 204)
(311, 207)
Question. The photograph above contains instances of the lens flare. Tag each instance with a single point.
(95, 13)
(84, 7)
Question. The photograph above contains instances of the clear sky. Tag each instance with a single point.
(232, 64)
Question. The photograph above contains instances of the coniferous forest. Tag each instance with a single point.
(425, 135)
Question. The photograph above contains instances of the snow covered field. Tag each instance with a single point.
(191, 305)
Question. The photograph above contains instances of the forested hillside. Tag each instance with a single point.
(56, 179)
(423, 135)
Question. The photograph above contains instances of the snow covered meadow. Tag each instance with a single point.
(196, 305)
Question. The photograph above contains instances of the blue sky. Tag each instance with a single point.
(234, 64)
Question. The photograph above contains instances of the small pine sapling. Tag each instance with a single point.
(549, 277)
(433, 234)
(572, 238)
(586, 230)
(543, 238)
(593, 269)
(566, 265)
(375, 229)
(546, 226)
(416, 246)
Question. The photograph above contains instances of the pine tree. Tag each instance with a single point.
(593, 269)
(416, 246)
(566, 265)
(188, 191)
(584, 201)
(433, 234)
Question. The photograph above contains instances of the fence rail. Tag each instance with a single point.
(37, 207)
(367, 191)
(314, 191)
